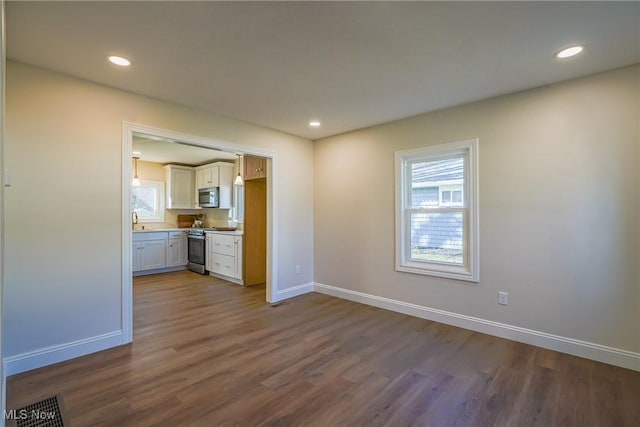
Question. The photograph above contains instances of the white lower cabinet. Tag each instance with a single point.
(149, 251)
(158, 250)
(224, 255)
(177, 249)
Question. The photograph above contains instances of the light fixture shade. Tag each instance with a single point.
(136, 181)
(238, 180)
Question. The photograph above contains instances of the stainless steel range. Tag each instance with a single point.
(196, 250)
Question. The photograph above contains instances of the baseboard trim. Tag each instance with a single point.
(613, 356)
(294, 291)
(61, 352)
(159, 270)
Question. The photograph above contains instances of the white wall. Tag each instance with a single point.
(63, 211)
(559, 209)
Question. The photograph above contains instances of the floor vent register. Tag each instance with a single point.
(47, 412)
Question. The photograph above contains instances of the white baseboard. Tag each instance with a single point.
(613, 356)
(159, 270)
(294, 291)
(61, 352)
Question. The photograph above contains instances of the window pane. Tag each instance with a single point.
(145, 201)
(437, 237)
(457, 197)
(428, 178)
(424, 197)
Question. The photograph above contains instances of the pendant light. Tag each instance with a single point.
(238, 180)
(136, 180)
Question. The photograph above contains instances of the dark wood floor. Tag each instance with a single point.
(208, 353)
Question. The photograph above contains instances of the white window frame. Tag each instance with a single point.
(470, 269)
(159, 185)
(237, 213)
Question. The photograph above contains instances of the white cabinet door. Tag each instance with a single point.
(208, 252)
(154, 254)
(177, 249)
(207, 176)
(184, 250)
(174, 253)
(238, 272)
(136, 248)
(225, 184)
(179, 187)
(200, 179)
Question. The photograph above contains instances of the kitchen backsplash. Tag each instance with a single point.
(212, 217)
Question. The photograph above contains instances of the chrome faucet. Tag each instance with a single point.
(134, 219)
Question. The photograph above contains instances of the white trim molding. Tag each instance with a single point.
(128, 129)
(601, 353)
(467, 151)
(61, 352)
(294, 291)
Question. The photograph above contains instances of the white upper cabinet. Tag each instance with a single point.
(207, 176)
(179, 187)
(218, 174)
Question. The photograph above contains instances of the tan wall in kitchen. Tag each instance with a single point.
(63, 247)
(213, 217)
(150, 170)
(559, 209)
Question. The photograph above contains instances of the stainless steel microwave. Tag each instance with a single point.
(208, 197)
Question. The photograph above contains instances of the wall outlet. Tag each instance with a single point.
(298, 269)
(503, 298)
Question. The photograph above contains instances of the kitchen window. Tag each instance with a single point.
(237, 213)
(147, 200)
(437, 210)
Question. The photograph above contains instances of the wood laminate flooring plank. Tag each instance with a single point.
(210, 353)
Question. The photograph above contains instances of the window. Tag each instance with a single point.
(437, 211)
(237, 213)
(147, 201)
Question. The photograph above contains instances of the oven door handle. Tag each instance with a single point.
(196, 237)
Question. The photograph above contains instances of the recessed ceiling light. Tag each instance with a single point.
(314, 123)
(569, 52)
(136, 152)
(119, 60)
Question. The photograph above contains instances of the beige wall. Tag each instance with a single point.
(559, 209)
(63, 212)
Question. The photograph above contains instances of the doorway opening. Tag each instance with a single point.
(225, 202)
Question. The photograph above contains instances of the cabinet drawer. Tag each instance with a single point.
(157, 235)
(223, 244)
(177, 234)
(224, 264)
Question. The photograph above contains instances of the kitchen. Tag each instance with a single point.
(188, 211)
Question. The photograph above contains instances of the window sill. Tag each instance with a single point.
(454, 273)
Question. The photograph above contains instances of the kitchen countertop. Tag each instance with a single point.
(234, 233)
(151, 230)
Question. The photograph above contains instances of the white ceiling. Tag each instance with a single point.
(160, 150)
(347, 64)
